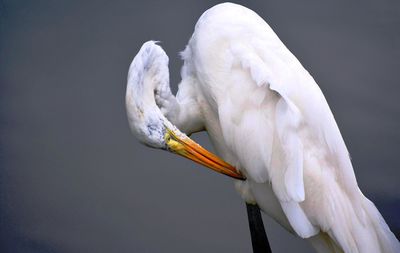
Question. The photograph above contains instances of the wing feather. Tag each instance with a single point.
(285, 169)
(278, 128)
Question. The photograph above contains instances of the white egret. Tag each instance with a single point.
(267, 117)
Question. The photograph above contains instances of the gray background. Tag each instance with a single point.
(73, 179)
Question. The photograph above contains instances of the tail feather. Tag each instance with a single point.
(387, 240)
(370, 234)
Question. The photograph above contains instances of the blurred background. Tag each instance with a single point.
(73, 178)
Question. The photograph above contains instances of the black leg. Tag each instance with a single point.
(259, 238)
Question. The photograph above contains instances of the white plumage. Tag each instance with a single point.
(265, 115)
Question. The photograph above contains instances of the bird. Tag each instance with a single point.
(269, 123)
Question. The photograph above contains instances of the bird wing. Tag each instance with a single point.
(278, 129)
(285, 116)
(272, 114)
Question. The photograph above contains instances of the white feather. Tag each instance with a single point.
(266, 115)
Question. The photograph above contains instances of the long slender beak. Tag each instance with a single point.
(186, 147)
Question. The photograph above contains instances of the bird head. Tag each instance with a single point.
(149, 99)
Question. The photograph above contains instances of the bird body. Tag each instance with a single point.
(266, 116)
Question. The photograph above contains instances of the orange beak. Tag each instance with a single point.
(186, 147)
